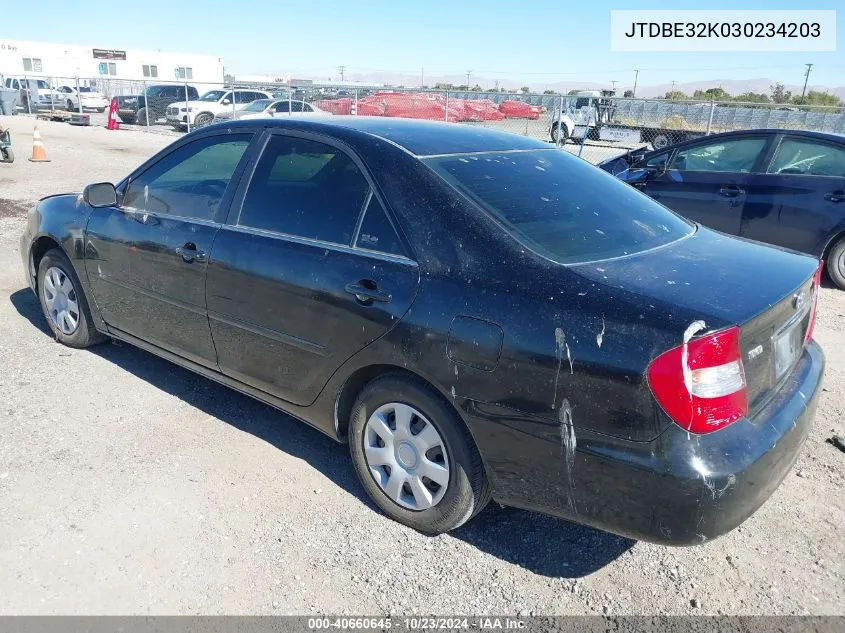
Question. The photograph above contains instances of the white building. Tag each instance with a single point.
(63, 62)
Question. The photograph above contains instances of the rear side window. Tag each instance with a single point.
(307, 189)
(377, 232)
(731, 155)
(808, 158)
(561, 206)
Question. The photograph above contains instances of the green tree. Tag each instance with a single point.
(753, 97)
(675, 95)
(780, 94)
(628, 94)
(818, 98)
(525, 90)
(712, 94)
(549, 92)
(477, 88)
(573, 92)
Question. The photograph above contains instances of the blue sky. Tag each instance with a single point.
(536, 41)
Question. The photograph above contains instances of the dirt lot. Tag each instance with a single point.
(129, 485)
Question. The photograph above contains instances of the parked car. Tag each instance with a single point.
(149, 107)
(35, 94)
(91, 99)
(262, 108)
(783, 187)
(477, 313)
(201, 112)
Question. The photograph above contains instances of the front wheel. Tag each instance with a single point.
(560, 133)
(660, 141)
(63, 301)
(414, 457)
(7, 155)
(70, 107)
(203, 119)
(836, 263)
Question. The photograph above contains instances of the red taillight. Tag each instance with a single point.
(712, 367)
(817, 280)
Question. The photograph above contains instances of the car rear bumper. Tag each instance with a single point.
(679, 489)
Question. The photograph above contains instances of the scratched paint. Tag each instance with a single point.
(600, 335)
(568, 444)
(560, 341)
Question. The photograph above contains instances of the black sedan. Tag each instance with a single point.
(783, 187)
(478, 314)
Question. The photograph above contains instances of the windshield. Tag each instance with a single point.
(258, 105)
(84, 89)
(43, 85)
(561, 206)
(155, 91)
(213, 95)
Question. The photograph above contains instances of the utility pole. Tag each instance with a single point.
(673, 85)
(613, 83)
(469, 72)
(636, 76)
(341, 69)
(806, 79)
(422, 77)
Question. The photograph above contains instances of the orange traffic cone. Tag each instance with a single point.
(39, 155)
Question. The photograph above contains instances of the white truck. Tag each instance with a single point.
(589, 114)
(36, 94)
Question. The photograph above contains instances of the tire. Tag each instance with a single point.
(143, 113)
(7, 154)
(56, 264)
(661, 141)
(466, 490)
(70, 107)
(835, 263)
(203, 119)
(556, 133)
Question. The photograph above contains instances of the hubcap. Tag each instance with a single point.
(61, 300)
(406, 456)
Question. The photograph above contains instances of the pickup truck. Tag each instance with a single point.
(35, 94)
(151, 106)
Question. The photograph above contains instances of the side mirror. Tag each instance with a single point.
(635, 176)
(100, 194)
(226, 102)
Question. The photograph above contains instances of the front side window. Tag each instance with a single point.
(560, 206)
(307, 189)
(729, 155)
(189, 182)
(808, 158)
(213, 95)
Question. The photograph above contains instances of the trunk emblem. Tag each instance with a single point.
(755, 352)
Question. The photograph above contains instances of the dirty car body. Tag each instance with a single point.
(613, 364)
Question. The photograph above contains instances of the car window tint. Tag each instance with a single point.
(732, 155)
(282, 106)
(305, 188)
(561, 206)
(307, 108)
(808, 158)
(377, 233)
(655, 161)
(296, 106)
(191, 181)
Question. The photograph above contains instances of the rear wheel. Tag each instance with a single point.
(63, 302)
(143, 113)
(836, 263)
(70, 107)
(414, 457)
(660, 141)
(7, 155)
(127, 119)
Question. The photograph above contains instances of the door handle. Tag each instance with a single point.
(189, 253)
(366, 291)
(731, 191)
(835, 196)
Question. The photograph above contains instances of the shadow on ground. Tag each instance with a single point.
(542, 544)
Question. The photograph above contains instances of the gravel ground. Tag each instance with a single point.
(129, 485)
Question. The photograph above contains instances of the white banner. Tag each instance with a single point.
(715, 31)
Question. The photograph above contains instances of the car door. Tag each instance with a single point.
(707, 181)
(298, 280)
(799, 202)
(146, 260)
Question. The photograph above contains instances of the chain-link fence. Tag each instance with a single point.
(592, 124)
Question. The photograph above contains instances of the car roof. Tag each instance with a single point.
(421, 138)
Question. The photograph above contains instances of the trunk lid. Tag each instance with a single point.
(725, 281)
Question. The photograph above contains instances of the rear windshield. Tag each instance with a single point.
(561, 206)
